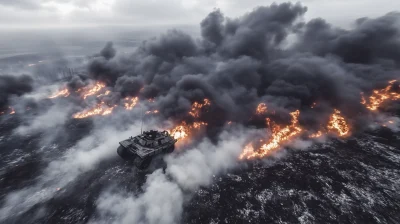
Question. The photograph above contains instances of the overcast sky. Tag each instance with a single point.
(60, 13)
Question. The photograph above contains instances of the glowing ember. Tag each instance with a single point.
(101, 109)
(380, 96)
(279, 137)
(64, 93)
(92, 90)
(184, 130)
(12, 110)
(313, 105)
(130, 102)
(152, 112)
(196, 107)
(105, 94)
(316, 135)
(338, 124)
(261, 108)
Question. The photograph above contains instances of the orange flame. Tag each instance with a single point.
(280, 135)
(380, 96)
(337, 123)
(100, 109)
(91, 90)
(64, 93)
(261, 108)
(184, 130)
(196, 107)
(131, 102)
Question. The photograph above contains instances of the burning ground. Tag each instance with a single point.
(239, 99)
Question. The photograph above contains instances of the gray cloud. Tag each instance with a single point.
(145, 13)
(23, 4)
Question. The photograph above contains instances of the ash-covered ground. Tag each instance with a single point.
(278, 120)
(339, 181)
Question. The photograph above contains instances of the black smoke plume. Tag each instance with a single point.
(13, 85)
(239, 63)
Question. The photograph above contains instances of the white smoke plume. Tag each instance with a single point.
(81, 158)
(165, 192)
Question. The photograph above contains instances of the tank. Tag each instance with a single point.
(142, 148)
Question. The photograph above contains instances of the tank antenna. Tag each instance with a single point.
(141, 126)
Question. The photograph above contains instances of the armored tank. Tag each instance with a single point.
(142, 148)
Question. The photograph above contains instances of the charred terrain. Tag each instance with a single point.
(277, 120)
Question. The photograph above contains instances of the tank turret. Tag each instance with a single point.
(142, 148)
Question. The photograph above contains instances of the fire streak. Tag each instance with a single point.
(100, 109)
(338, 124)
(196, 107)
(380, 96)
(280, 135)
(91, 90)
(64, 93)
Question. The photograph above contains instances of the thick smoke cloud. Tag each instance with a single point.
(372, 41)
(13, 85)
(238, 63)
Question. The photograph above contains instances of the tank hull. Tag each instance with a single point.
(143, 148)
